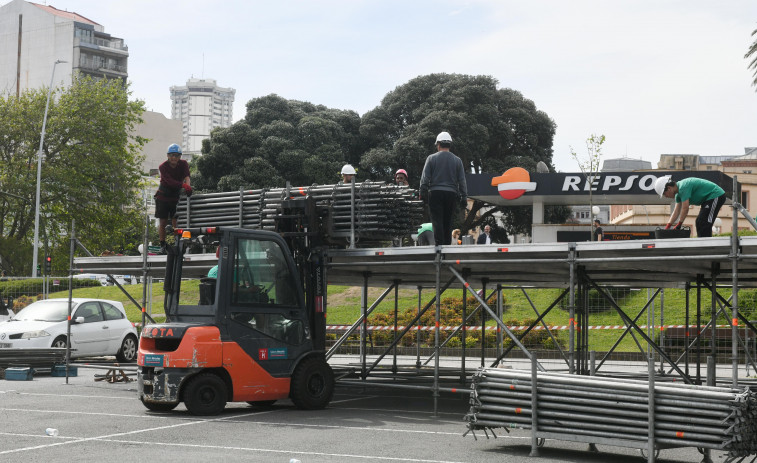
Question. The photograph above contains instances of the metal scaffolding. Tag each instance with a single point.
(577, 269)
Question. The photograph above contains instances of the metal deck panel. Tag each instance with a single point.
(641, 263)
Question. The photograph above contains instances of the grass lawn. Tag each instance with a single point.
(344, 306)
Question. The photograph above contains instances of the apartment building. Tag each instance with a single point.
(201, 106)
(34, 36)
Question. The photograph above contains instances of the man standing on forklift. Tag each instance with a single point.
(696, 191)
(174, 175)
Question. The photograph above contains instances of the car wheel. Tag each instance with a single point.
(128, 350)
(205, 394)
(312, 384)
(59, 343)
(159, 406)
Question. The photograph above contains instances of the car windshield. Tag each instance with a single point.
(48, 311)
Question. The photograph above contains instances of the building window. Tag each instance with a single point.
(745, 199)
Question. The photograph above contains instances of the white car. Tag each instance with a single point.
(98, 327)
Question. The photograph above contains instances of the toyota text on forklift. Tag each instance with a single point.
(257, 334)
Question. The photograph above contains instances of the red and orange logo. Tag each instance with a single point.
(513, 183)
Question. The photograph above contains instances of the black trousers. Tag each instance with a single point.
(708, 212)
(442, 204)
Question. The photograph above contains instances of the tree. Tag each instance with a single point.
(492, 129)
(91, 168)
(279, 140)
(752, 53)
(590, 165)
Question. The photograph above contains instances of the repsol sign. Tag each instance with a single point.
(517, 184)
(641, 183)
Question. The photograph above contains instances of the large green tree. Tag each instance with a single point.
(279, 140)
(91, 169)
(493, 129)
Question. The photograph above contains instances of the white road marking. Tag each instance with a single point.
(133, 397)
(108, 436)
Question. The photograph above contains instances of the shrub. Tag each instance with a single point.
(32, 286)
(451, 314)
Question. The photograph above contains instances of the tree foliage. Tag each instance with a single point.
(752, 54)
(492, 129)
(91, 167)
(590, 164)
(279, 140)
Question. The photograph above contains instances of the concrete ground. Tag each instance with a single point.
(100, 421)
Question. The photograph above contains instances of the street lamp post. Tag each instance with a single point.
(39, 173)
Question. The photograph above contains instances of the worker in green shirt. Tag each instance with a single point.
(692, 191)
(426, 235)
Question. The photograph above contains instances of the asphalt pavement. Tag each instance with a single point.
(99, 421)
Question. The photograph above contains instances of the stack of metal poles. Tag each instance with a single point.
(381, 211)
(617, 409)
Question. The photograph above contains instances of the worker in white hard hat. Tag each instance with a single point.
(348, 173)
(692, 191)
(443, 187)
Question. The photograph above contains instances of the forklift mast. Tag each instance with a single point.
(301, 224)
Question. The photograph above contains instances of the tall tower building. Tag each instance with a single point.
(201, 106)
(34, 36)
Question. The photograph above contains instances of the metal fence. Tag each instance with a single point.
(18, 292)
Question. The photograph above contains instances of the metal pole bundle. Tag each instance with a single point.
(382, 211)
(616, 411)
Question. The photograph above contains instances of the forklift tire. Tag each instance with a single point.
(205, 394)
(312, 384)
(261, 403)
(159, 406)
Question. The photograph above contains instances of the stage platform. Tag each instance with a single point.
(661, 263)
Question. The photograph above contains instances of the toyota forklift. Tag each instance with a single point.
(257, 334)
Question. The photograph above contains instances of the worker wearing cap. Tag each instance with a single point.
(693, 190)
(400, 177)
(443, 187)
(348, 173)
(174, 177)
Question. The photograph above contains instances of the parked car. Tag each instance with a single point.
(98, 327)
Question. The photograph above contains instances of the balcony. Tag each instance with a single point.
(93, 66)
(110, 47)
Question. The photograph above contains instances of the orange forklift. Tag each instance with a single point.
(257, 334)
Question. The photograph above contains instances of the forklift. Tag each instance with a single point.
(257, 334)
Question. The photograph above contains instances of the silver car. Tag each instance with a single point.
(98, 327)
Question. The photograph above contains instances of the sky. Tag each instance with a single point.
(654, 76)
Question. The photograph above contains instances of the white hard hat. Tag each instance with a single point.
(659, 184)
(348, 169)
(444, 137)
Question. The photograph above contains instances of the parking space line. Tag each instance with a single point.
(389, 410)
(234, 418)
(82, 396)
(121, 434)
(119, 415)
(286, 452)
